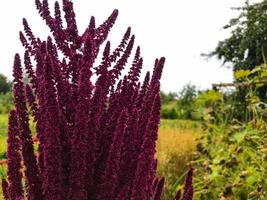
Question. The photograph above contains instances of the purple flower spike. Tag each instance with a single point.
(15, 190)
(188, 186)
(31, 169)
(5, 189)
(159, 189)
(109, 178)
(96, 123)
(178, 195)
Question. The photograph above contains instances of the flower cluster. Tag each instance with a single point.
(96, 139)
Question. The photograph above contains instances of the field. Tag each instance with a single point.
(175, 147)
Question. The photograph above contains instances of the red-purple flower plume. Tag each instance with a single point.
(15, 190)
(5, 189)
(96, 129)
(29, 159)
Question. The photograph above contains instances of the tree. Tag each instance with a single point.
(5, 84)
(167, 97)
(186, 100)
(247, 45)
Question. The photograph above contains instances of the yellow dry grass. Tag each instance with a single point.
(175, 148)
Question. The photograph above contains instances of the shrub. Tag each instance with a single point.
(186, 101)
(5, 84)
(96, 139)
(169, 113)
(5, 102)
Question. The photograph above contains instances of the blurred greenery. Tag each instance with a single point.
(231, 157)
(5, 84)
(191, 104)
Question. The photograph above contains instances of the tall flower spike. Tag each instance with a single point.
(38, 5)
(72, 30)
(116, 53)
(96, 114)
(29, 70)
(157, 71)
(14, 158)
(90, 30)
(58, 33)
(143, 91)
(142, 184)
(136, 67)
(29, 33)
(83, 142)
(105, 63)
(41, 105)
(34, 190)
(57, 15)
(178, 195)
(31, 100)
(80, 153)
(45, 13)
(52, 184)
(159, 189)
(25, 43)
(96, 139)
(129, 151)
(116, 71)
(5, 189)
(109, 178)
(103, 30)
(91, 27)
(188, 186)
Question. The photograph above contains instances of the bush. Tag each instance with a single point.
(167, 113)
(6, 102)
(5, 84)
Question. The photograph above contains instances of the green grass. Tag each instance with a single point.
(3, 133)
(169, 105)
(179, 124)
(3, 124)
(3, 145)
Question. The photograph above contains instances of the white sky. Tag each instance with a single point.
(177, 29)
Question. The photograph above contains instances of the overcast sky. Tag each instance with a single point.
(177, 29)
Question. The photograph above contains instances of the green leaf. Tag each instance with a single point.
(241, 73)
(239, 136)
(263, 74)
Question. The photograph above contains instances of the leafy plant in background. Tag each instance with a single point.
(5, 95)
(96, 140)
(168, 97)
(5, 84)
(6, 103)
(246, 47)
(187, 97)
(231, 161)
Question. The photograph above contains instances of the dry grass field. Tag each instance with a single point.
(175, 148)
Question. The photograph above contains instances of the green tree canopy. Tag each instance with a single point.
(5, 84)
(167, 97)
(247, 44)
